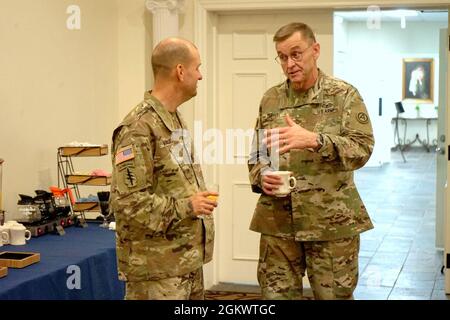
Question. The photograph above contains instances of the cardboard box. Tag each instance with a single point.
(18, 260)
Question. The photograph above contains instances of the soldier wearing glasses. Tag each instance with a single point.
(323, 133)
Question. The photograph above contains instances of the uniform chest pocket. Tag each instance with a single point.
(270, 120)
(172, 159)
(164, 159)
(188, 173)
(330, 120)
(172, 150)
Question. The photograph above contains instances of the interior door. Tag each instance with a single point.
(246, 69)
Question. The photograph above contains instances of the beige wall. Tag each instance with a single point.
(186, 24)
(134, 49)
(56, 86)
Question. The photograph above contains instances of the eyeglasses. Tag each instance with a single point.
(295, 56)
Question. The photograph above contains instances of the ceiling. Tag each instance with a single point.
(395, 15)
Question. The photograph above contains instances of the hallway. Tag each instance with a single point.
(398, 259)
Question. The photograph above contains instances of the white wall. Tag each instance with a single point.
(380, 53)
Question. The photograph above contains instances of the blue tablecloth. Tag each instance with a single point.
(91, 253)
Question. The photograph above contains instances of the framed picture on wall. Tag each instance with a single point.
(418, 80)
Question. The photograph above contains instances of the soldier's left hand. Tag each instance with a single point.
(293, 136)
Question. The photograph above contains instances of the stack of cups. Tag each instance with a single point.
(14, 233)
(4, 233)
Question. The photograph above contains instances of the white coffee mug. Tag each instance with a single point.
(4, 235)
(287, 180)
(7, 225)
(18, 235)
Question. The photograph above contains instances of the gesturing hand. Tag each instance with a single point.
(291, 137)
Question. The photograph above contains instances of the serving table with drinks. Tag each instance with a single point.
(81, 265)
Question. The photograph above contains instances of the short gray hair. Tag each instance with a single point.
(288, 30)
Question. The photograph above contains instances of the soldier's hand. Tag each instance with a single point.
(270, 183)
(204, 202)
(291, 137)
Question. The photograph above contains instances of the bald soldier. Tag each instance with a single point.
(157, 191)
(321, 129)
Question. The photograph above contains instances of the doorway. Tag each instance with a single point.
(401, 196)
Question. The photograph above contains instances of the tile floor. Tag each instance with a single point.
(398, 258)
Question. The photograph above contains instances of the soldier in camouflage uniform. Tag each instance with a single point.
(321, 129)
(158, 191)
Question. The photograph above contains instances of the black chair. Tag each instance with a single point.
(397, 140)
(399, 107)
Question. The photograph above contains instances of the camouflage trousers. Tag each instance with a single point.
(332, 268)
(185, 287)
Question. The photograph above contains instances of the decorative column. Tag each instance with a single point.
(165, 18)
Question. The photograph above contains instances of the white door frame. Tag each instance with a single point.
(205, 31)
(447, 189)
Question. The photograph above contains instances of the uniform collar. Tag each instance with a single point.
(168, 118)
(313, 96)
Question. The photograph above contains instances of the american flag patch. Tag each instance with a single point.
(124, 154)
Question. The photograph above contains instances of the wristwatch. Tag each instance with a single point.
(319, 141)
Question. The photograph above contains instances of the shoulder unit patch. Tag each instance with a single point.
(362, 118)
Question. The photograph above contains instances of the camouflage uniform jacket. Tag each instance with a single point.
(325, 205)
(157, 235)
